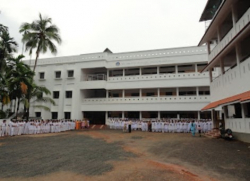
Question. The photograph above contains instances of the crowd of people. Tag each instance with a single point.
(162, 125)
(14, 127)
(22, 127)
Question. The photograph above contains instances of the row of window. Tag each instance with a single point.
(54, 115)
(148, 94)
(58, 74)
(68, 94)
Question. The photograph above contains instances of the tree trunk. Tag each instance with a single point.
(18, 102)
(14, 106)
(37, 55)
(11, 105)
(28, 110)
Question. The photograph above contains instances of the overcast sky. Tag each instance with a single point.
(89, 26)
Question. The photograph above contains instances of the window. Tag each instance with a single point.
(54, 115)
(67, 115)
(135, 94)
(41, 75)
(38, 114)
(58, 74)
(115, 95)
(169, 93)
(150, 94)
(70, 73)
(68, 94)
(56, 94)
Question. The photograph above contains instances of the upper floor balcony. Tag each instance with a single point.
(104, 78)
(236, 21)
(234, 80)
(162, 99)
(235, 30)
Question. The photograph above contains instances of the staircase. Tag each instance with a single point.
(214, 133)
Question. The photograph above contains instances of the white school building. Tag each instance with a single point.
(228, 42)
(164, 83)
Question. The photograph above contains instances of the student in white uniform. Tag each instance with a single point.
(11, 128)
(4, 128)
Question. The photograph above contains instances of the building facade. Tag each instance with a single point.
(228, 43)
(164, 83)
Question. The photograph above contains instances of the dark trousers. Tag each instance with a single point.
(129, 128)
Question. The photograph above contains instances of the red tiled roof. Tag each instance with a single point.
(239, 97)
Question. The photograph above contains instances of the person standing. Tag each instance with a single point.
(4, 128)
(129, 126)
(193, 128)
(199, 130)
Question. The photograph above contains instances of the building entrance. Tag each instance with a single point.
(95, 117)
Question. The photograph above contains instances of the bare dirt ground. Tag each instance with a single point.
(113, 155)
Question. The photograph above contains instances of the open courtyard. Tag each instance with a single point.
(113, 155)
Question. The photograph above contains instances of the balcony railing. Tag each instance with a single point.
(161, 76)
(93, 77)
(161, 99)
(244, 20)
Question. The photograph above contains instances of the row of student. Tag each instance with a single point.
(164, 125)
(13, 127)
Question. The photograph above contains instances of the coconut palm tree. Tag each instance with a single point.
(40, 35)
(7, 47)
(20, 78)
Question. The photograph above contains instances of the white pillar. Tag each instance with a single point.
(158, 92)
(218, 34)
(140, 115)
(123, 93)
(107, 74)
(238, 54)
(159, 115)
(177, 91)
(197, 91)
(196, 68)
(176, 69)
(222, 68)
(199, 115)
(234, 14)
(243, 111)
(122, 114)
(178, 115)
(214, 119)
(140, 93)
(123, 72)
(210, 75)
(208, 47)
(107, 93)
(158, 70)
(140, 70)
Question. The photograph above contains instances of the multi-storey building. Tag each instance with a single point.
(228, 43)
(163, 83)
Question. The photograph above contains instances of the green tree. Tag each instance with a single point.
(36, 95)
(20, 78)
(7, 47)
(40, 35)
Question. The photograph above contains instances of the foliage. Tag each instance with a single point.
(16, 77)
(40, 35)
